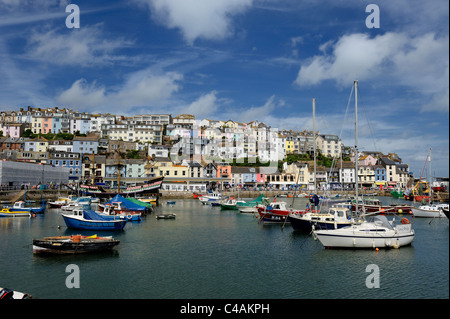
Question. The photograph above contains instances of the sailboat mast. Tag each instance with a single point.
(431, 179)
(314, 140)
(356, 144)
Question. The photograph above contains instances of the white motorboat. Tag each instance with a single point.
(429, 211)
(373, 232)
(210, 198)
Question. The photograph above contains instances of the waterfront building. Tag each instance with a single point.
(380, 175)
(93, 168)
(17, 174)
(366, 176)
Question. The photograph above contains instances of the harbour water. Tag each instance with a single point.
(208, 253)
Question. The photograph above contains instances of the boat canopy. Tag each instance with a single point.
(256, 201)
(380, 220)
(139, 202)
(126, 203)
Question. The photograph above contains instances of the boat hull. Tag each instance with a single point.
(305, 224)
(349, 237)
(9, 213)
(67, 246)
(77, 222)
(426, 213)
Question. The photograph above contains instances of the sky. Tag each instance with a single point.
(242, 60)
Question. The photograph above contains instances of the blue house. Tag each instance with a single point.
(85, 145)
(380, 175)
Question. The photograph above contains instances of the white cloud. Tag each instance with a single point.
(418, 62)
(142, 88)
(197, 18)
(205, 105)
(86, 46)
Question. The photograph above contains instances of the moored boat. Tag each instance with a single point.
(334, 218)
(6, 212)
(85, 220)
(430, 211)
(73, 244)
(165, 216)
(373, 232)
(20, 206)
(250, 206)
(275, 213)
(230, 203)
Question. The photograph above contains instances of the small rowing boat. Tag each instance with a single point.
(73, 244)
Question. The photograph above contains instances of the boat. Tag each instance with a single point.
(373, 232)
(430, 211)
(397, 193)
(80, 219)
(60, 202)
(8, 294)
(75, 244)
(171, 202)
(374, 205)
(230, 203)
(210, 198)
(20, 206)
(165, 216)
(275, 213)
(6, 212)
(77, 203)
(250, 206)
(126, 205)
(336, 217)
(110, 213)
(152, 186)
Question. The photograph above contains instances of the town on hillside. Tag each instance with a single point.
(70, 147)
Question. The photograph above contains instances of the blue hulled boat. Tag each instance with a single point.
(89, 220)
(20, 206)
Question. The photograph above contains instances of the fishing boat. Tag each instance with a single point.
(210, 198)
(109, 212)
(60, 202)
(77, 203)
(73, 244)
(397, 193)
(165, 216)
(80, 219)
(20, 206)
(126, 205)
(250, 206)
(275, 213)
(336, 217)
(430, 211)
(6, 212)
(230, 203)
(373, 232)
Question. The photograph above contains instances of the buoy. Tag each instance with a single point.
(377, 249)
(400, 211)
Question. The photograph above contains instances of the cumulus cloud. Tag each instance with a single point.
(197, 18)
(205, 105)
(142, 88)
(418, 62)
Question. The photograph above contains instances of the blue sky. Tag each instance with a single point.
(242, 60)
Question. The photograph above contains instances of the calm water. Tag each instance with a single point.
(208, 253)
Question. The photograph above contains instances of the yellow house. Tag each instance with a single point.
(37, 125)
(164, 166)
(289, 146)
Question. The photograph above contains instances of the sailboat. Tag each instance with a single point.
(371, 231)
(430, 210)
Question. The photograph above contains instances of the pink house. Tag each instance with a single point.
(46, 125)
(13, 129)
(367, 160)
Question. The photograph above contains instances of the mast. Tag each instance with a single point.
(431, 179)
(356, 144)
(314, 140)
